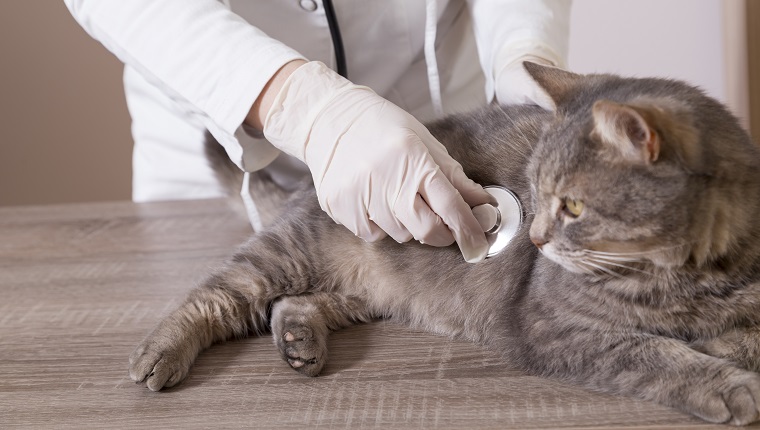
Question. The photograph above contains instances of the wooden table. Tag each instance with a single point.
(80, 285)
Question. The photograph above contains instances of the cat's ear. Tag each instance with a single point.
(557, 83)
(626, 129)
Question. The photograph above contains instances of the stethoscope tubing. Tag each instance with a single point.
(337, 40)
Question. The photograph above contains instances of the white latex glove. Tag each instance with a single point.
(514, 86)
(376, 169)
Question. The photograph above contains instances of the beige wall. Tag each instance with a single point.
(65, 127)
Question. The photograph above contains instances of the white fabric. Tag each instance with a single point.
(508, 30)
(376, 169)
(514, 86)
(168, 158)
(202, 65)
(197, 52)
(254, 217)
(434, 81)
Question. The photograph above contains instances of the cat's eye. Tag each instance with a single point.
(573, 207)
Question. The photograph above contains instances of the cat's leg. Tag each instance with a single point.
(301, 324)
(740, 346)
(656, 368)
(233, 302)
(209, 314)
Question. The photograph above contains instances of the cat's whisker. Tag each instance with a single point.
(624, 266)
(623, 254)
(583, 266)
(604, 269)
(630, 259)
(651, 251)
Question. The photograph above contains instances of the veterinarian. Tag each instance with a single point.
(259, 77)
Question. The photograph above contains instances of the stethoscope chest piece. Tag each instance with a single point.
(500, 222)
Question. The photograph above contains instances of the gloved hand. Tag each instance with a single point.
(514, 86)
(376, 169)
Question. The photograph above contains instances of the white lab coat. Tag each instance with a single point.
(195, 65)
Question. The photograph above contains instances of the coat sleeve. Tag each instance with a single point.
(197, 51)
(506, 30)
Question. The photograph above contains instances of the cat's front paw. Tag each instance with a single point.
(303, 349)
(161, 361)
(732, 397)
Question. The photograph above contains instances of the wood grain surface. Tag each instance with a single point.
(80, 285)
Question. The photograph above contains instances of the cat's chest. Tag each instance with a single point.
(681, 308)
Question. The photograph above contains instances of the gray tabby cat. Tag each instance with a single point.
(642, 278)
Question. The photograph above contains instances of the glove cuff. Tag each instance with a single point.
(306, 92)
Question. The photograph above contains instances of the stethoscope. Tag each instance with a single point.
(337, 40)
(500, 222)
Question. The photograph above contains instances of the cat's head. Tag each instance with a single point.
(638, 172)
